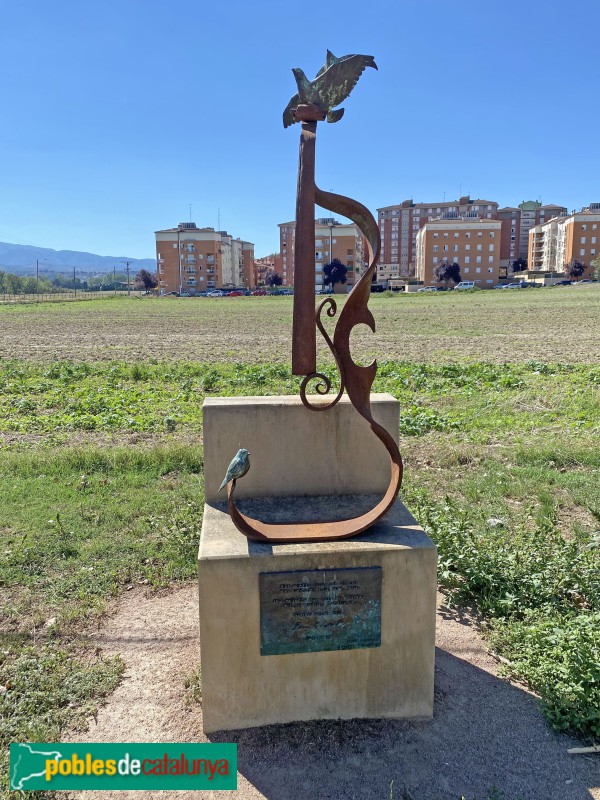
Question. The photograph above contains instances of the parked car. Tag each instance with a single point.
(465, 285)
(215, 293)
(259, 293)
(236, 293)
(428, 289)
(513, 286)
(562, 283)
(172, 294)
(585, 280)
(500, 285)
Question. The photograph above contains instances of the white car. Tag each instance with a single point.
(215, 294)
(428, 289)
(464, 285)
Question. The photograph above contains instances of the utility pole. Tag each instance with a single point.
(74, 284)
(115, 280)
(37, 280)
(128, 284)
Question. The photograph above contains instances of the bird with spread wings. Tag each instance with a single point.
(331, 86)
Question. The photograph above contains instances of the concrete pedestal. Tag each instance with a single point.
(389, 677)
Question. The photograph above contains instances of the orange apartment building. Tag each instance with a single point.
(262, 267)
(560, 240)
(333, 239)
(516, 224)
(400, 224)
(192, 259)
(473, 243)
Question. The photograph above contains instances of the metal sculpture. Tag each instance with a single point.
(316, 101)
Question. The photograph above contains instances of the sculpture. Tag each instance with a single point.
(316, 101)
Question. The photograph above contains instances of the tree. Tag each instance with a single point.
(574, 269)
(520, 265)
(273, 278)
(146, 280)
(334, 272)
(447, 272)
(596, 266)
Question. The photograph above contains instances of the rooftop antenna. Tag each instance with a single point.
(218, 219)
(444, 197)
(190, 212)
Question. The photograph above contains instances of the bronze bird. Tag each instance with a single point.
(331, 86)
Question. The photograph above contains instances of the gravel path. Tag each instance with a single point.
(486, 732)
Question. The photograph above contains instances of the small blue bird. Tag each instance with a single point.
(240, 464)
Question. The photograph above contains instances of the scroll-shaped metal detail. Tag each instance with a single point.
(316, 100)
(323, 386)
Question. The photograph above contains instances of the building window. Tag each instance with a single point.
(583, 240)
(467, 247)
(435, 260)
(445, 248)
(435, 235)
(435, 248)
(584, 227)
(456, 248)
(456, 235)
(593, 240)
(466, 270)
(445, 236)
(582, 252)
(478, 259)
(491, 234)
(490, 269)
(478, 269)
(479, 248)
(467, 259)
(480, 234)
(468, 235)
(491, 248)
(491, 259)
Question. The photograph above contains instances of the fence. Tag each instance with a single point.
(62, 297)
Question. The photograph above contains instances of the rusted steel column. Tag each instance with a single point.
(304, 332)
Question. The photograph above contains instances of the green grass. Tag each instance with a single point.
(78, 526)
(101, 483)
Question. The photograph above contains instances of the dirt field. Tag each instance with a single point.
(499, 326)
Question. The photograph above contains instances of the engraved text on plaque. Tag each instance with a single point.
(306, 611)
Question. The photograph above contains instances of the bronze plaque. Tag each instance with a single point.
(306, 611)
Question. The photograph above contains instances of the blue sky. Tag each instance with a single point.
(119, 115)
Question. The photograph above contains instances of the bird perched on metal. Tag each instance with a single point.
(331, 86)
(240, 464)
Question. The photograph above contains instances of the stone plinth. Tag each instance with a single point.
(242, 688)
(295, 451)
(322, 466)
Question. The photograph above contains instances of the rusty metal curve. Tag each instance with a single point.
(324, 387)
(357, 381)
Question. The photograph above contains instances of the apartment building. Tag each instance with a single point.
(560, 240)
(192, 259)
(400, 224)
(474, 243)
(516, 224)
(333, 239)
(266, 264)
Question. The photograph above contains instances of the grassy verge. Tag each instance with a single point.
(78, 526)
(503, 468)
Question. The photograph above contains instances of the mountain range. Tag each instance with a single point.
(20, 259)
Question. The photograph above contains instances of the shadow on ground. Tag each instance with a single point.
(485, 733)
